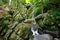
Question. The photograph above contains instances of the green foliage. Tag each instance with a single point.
(54, 1)
(37, 11)
(5, 22)
(6, 15)
(57, 15)
(25, 33)
(49, 20)
(5, 1)
(40, 22)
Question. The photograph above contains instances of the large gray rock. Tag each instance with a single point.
(56, 39)
(42, 37)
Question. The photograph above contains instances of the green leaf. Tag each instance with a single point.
(5, 22)
(56, 14)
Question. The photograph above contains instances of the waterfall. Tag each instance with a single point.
(34, 30)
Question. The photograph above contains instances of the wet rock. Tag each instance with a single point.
(56, 39)
(43, 37)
